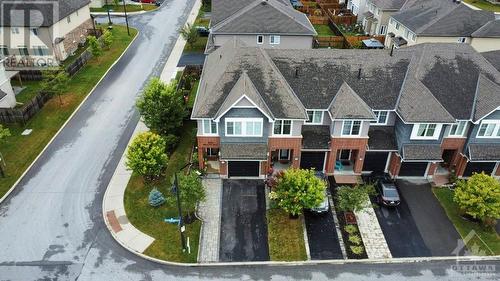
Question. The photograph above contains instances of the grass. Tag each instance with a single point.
(285, 237)
(150, 220)
(464, 227)
(19, 151)
(31, 89)
(119, 8)
(192, 94)
(198, 46)
(484, 5)
(323, 30)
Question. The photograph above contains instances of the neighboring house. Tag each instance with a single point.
(48, 36)
(358, 7)
(443, 21)
(262, 23)
(7, 96)
(424, 110)
(376, 18)
(99, 3)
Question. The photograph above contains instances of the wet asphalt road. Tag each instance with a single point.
(51, 227)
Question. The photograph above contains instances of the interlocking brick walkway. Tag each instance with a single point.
(209, 212)
(373, 237)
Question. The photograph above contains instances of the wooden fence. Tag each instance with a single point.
(24, 113)
(355, 41)
(318, 19)
(337, 42)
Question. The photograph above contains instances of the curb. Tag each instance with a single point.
(67, 121)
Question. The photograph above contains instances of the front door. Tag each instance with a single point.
(447, 157)
(345, 154)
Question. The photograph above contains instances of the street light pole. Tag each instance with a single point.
(126, 17)
(109, 16)
(177, 190)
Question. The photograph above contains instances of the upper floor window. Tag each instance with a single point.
(274, 39)
(4, 50)
(457, 130)
(461, 40)
(397, 25)
(15, 30)
(23, 51)
(351, 128)
(381, 117)
(40, 50)
(383, 29)
(413, 36)
(407, 33)
(426, 131)
(315, 117)
(209, 127)
(244, 127)
(68, 19)
(489, 129)
(260, 39)
(282, 127)
(34, 31)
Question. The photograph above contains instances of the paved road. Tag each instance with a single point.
(243, 228)
(51, 227)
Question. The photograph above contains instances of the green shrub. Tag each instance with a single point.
(156, 198)
(358, 250)
(351, 229)
(355, 239)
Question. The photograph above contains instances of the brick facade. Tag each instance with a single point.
(359, 146)
(394, 164)
(206, 142)
(295, 144)
(456, 144)
(74, 37)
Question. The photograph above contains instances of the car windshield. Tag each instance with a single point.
(390, 192)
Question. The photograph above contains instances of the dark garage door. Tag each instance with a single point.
(478, 167)
(413, 169)
(314, 160)
(375, 161)
(243, 168)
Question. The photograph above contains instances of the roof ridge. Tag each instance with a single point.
(311, 28)
(236, 14)
(473, 111)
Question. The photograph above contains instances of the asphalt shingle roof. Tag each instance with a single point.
(49, 11)
(417, 152)
(489, 30)
(382, 138)
(493, 57)
(484, 151)
(2, 94)
(487, 98)
(253, 151)
(388, 4)
(316, 137)
(348, 105)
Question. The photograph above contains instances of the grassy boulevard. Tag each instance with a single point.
(167, 244)
(464, 227)
(285, 237)
(20, 151)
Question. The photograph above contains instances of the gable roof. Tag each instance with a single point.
(50, 12)
(493, 57)
(264, 17)
(487, 98)
(489, 30)
(442, 18)
(389, 4)
(348, 105)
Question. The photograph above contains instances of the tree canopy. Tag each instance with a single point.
(146, 155)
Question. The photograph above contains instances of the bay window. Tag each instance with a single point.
(381, 116)
(426, 131)
(457, 130)
(282, 127)
(351, 128)
(244, 127)
(315, 117)
(489, 129)
(209, 127)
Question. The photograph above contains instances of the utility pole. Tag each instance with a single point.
(126, 16)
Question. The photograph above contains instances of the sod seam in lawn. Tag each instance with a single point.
(285, 237)
(20, 151)
(487, 234)
(150, 220)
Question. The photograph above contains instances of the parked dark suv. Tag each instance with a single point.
(388, 194)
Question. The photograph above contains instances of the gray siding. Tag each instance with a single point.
(494, 115)
(286, 41)
(475, 128)
(403, 134)
(244, 113)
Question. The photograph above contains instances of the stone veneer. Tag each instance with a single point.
(72, 39)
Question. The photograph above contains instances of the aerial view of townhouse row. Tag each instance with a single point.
(352, 139)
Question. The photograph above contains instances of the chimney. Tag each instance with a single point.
(359, 73)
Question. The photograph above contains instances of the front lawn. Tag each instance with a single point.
(19, 151)
(31, 89)
(119, 8)
(484, 5)
(464, 227)
(167, 245)
(285, 237)
(323, 30)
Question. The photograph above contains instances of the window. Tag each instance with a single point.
(40, 50)
(284, 154)
(315, 117)
(383, 29)
(274, 39)
(209, 127)
(458, 129)
(23, 51)
(15, 30)
(461, 39)
(407, 33)
(282, 127)
(212, 151)
(397, 26)
(391, 21)
(489, 129)
(68, 19)
(381, 117)
(426, 131)
(260, 39)
(34, 31)
(249, 127)
(4, 51)
(413, 36)
(351, 128)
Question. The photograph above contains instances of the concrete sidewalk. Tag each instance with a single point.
(114, 214)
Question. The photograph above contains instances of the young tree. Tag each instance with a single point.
(350, 199)
(107, 39)
(192, 191)
(156, 198)
(4, 133)
(94, 46)
(56, 82)
(297, 189)
(146, 155)
(479, 197)
(190, 34)
(161, 107)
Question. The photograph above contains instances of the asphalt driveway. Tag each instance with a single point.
(243, 221)
(436, 229)
(322, 236)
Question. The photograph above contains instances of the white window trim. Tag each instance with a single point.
(281, 134)
(495, 130)
(244, 126)
(279, 154)
(462, 40)
(276, 42)
(351, 135)
(315, 123)
(437, 132)
(262, 42)
(463, 130)
(377, 114)
(203, 129)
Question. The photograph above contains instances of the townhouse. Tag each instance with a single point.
(358, 7)
(262, 23)
(43, 33)
(412, 112)
(376, 18)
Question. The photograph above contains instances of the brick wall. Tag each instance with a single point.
(74, 37)
(206, 142)
(456, 144)
(358, 144)
(432, 169)
(394, 164)
(286, 143)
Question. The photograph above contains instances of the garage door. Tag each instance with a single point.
(375, 161)
(243, 168)
(478, 167)
(413, 169)
(314, 160)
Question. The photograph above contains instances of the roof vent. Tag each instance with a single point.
(359, 73)
(296, 72)
(264, 2)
